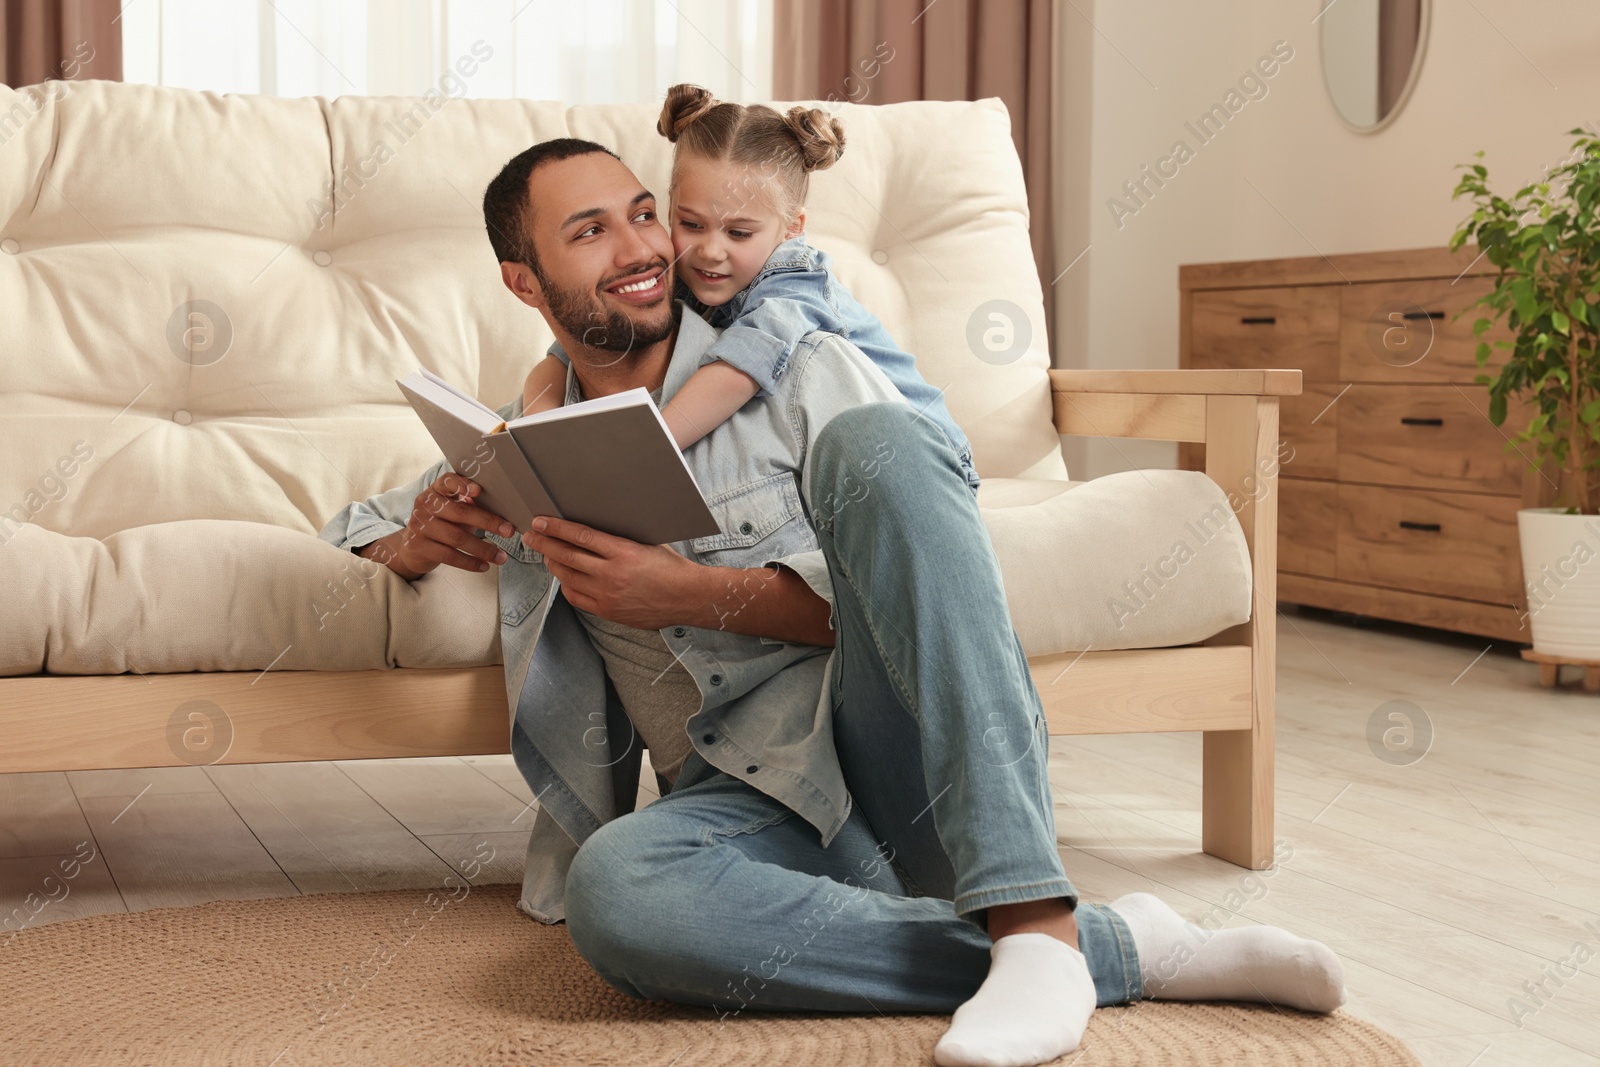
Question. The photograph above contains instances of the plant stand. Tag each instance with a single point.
(1550, 669)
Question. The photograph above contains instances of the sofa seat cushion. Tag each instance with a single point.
(228, 595)
(1139, 559)
(1142, 559)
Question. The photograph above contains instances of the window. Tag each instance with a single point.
(599, 51)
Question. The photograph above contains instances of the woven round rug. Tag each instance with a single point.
(412, 977)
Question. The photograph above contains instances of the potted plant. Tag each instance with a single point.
(1545, 240)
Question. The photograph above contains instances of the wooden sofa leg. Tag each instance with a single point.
(1236, 803)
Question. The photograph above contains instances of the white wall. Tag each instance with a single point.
(1284, 177)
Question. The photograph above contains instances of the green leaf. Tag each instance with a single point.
(1497, 409)
(1580, 310)
(1522, 293)
(1562, 324)
(1591, 412)
(1481, 326)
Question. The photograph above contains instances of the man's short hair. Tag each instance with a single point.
(505, 202)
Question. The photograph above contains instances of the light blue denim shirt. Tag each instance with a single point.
(766, 714)
(794, 294)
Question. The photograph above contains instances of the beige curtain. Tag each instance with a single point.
(941, 50)
(68, 39)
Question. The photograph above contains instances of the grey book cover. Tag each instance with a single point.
(609, 463)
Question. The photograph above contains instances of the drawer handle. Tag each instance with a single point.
(1411, 420)
(1423, 315)
(1430, 527)
(1258, 320)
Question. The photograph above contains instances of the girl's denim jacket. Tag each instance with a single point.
(795, 294)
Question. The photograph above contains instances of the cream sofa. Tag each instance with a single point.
(207, 300)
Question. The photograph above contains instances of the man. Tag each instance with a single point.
(863, 828)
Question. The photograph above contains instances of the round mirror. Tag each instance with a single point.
(1371, 53)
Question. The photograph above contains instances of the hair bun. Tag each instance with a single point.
(685, 103)
(821, 137)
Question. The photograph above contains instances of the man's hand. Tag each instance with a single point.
(648, 586)
(651, 586)
(441, 531)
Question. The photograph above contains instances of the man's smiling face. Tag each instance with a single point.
(604, 259)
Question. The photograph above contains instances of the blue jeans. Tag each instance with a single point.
(719, 895)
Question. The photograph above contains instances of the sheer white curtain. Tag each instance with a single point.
(597, 51)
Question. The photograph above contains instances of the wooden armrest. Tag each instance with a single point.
(1157, 405)
(1273, 382)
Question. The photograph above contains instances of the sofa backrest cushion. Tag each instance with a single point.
(205, 299)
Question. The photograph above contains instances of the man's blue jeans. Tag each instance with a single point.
(718, 895)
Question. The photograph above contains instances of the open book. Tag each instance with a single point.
(609, 463)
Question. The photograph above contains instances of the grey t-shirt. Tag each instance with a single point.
(657, 691)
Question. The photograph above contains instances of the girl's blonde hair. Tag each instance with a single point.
(786, 148)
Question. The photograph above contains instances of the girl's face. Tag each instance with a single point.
(725, 223)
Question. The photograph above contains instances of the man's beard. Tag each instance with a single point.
(584, 315)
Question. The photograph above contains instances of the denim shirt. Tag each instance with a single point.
(794, 294)
(766, 714)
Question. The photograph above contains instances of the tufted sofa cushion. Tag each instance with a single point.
(206, 300)
(220, 594)
(1085, 565)
(1138, 559)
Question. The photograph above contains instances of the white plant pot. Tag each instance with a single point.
(1561, 573)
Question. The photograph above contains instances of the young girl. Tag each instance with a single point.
(737, 209)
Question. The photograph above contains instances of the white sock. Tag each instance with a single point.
(1033, 1007)
(1181, 961)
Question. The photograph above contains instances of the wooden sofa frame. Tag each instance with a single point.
(1223, 687)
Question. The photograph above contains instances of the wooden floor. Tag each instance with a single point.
(1445, 884)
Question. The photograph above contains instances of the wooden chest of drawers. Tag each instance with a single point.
(1398, 496)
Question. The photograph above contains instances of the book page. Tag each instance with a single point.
(626, 398)
(462, 431)
(451, 401)
(441, 383)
